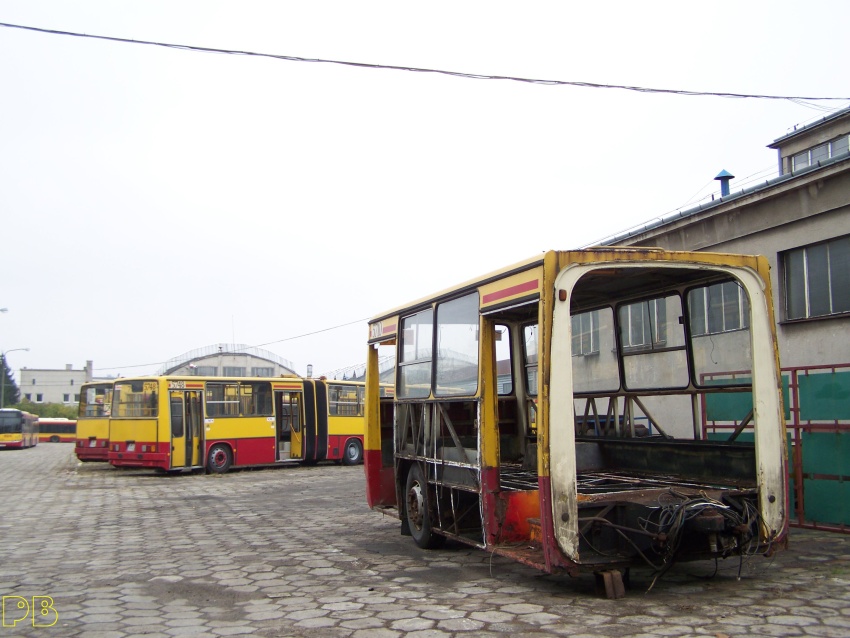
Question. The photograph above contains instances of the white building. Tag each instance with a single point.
(53, 386)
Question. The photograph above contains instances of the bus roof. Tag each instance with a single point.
(596, 254)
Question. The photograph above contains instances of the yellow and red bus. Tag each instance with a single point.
(551, 412)
(57, 430)
(191, 423)
(93, 421)
(18, 429)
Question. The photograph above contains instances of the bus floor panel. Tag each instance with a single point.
(638, 487)
(512, 477)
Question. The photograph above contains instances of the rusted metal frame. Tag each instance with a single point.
(612, 416)
(406, 426)
(589, 403)
(652, 421)
(601, 514)
(452, 433)
(628, 418)
(743, 424)
(797, 452)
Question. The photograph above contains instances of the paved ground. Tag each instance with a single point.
(295, 552)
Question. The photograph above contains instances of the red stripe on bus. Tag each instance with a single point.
(390, 328)
(534, 284)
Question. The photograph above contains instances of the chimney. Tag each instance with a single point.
(723, 177)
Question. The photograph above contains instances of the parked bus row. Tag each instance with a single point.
(18, 429)
(551, 412)
(187, 423)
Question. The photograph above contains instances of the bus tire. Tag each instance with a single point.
(54, 439)
(219, 459)
(418, 510)
(353, 452)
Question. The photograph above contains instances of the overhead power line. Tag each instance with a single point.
(460, 74)
(260, 345)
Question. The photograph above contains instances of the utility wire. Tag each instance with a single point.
(259, 345)
(460, 74)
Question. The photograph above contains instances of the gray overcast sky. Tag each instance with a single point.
(155, 201)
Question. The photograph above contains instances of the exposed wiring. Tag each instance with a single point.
(413, 69)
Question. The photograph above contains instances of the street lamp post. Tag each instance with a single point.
(3, 373)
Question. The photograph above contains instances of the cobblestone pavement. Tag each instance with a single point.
(294, 551)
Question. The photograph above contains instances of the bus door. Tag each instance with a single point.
(288, 425)
(315, 430)
(186, 430)
(194, 428)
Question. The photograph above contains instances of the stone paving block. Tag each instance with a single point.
(295, 552)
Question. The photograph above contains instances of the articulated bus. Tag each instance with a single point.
(551, 412)
(189, 423)
(18, 429)
(57, 430)
(93, 421)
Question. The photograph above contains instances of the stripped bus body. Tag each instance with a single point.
(550, 412)
(92, 442)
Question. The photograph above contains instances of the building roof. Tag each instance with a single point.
(807, 128)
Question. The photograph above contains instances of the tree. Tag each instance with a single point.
(11, 392)
(48, 410)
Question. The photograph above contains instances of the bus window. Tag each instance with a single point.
(652, 334)
(255, 398)
(415, 363)
(345, 400)
(457, 347)
(222, 399)
(504, 362)
(594, 352)
(530, 356)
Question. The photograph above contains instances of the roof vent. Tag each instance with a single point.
(723, 177)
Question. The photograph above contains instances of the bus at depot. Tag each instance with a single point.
(92, 440)
(18, 429)
(552, 412)
(214, 423)
(57, 430)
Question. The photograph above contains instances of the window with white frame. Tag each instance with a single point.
(585, 333)
(820, 153)
(817, 279)
(643, 325)
(718, 308)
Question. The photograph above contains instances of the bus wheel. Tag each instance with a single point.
(54, 439)
(353, 453)
(418, 511)
(219, 459)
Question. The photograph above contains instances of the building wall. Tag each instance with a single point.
(812, 208)
(231, 365)
(53, 386)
